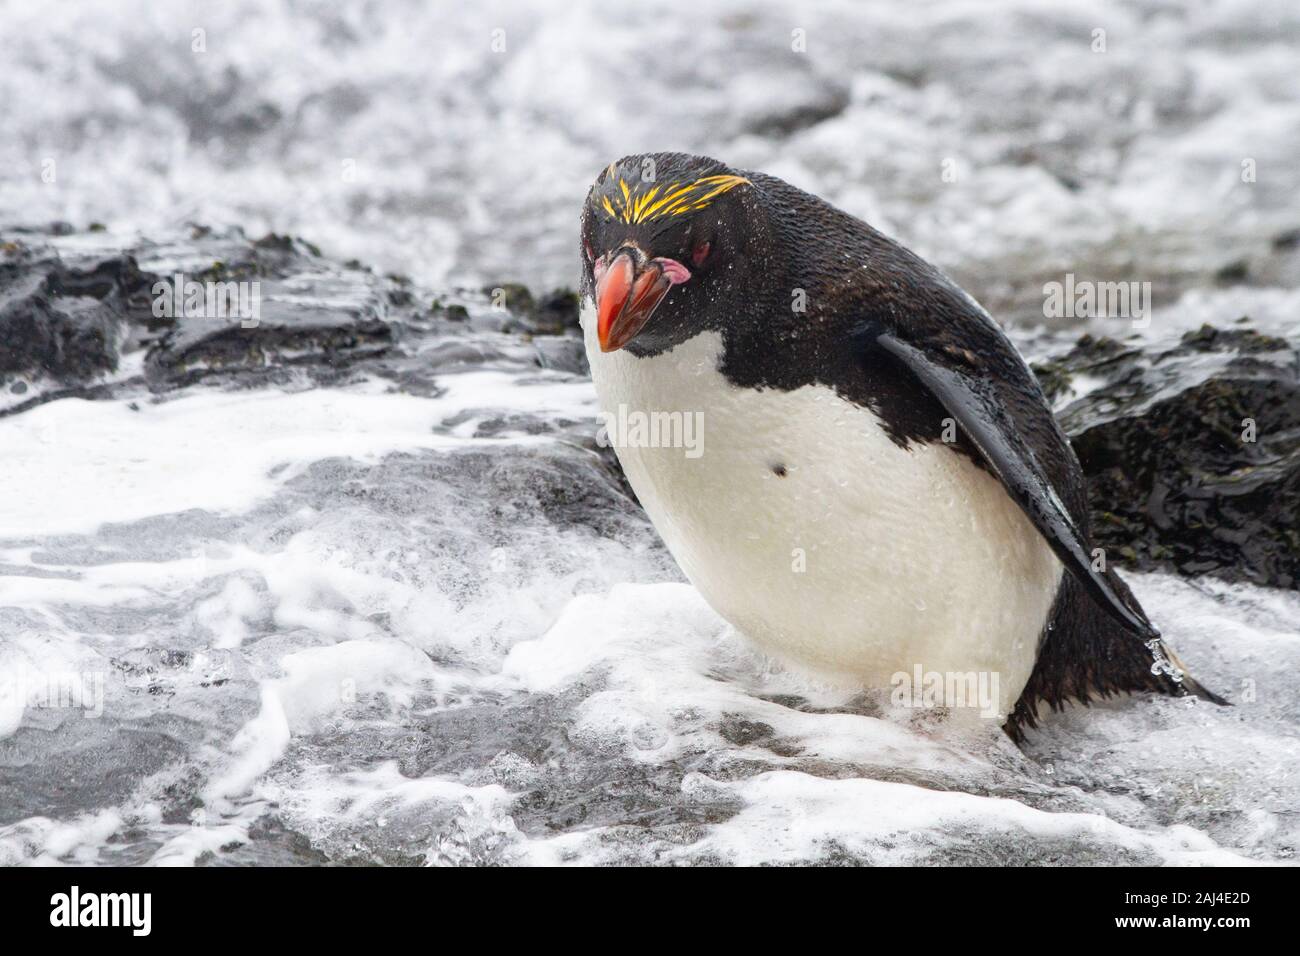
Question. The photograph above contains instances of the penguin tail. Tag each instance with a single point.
(1186, 685)
(1084, 655)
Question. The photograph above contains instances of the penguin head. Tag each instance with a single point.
(671, 245)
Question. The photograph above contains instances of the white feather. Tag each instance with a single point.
(865, 559)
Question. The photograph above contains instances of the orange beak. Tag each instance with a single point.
(626, 297)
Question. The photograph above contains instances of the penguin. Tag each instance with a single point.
(877, 484)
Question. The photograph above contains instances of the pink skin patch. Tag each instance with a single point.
(674, 271)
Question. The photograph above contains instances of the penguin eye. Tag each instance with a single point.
(586, 248)
(700, 252)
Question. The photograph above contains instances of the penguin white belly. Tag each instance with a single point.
(819, 538)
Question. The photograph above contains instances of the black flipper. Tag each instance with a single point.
(972, 403)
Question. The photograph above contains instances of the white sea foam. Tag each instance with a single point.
(72, 464)
(319, 709)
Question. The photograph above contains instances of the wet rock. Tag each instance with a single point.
(209, 304)
(72, 339)
(274, 844)
(514, 297)
(742, 732)
(1232, 273)
(61, 322)
(1290, 239)
(86, 761)
(787, 119)
(206, 304)
(329, 317)
(400, 293)
(451, 311)
(291, 246)
(565, 354)
(555, 313)
(460, 354)
(1192, 452)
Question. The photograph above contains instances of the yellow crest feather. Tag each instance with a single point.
(649, 205)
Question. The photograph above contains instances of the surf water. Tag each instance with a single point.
(361, 624)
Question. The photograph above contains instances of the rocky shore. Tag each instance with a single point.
(1192, 450)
